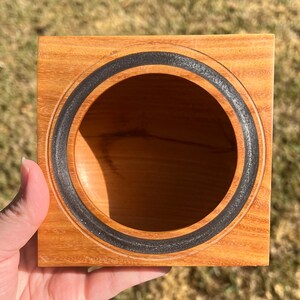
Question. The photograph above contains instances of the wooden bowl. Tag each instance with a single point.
(159, 154)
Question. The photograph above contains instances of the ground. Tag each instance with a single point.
(22, 21)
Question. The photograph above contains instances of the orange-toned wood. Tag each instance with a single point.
(155, 151)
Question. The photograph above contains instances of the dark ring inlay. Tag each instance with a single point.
(117, 238)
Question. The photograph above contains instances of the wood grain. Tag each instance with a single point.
(155, 152)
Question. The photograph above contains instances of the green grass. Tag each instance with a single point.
(21, 22)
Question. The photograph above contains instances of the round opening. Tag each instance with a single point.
(156, 152)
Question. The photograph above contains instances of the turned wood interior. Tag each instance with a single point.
(156, 152)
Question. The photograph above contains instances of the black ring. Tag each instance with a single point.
(119, 239)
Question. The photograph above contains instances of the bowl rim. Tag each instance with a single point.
(102, 231)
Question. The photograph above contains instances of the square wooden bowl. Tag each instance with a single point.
(157, 149)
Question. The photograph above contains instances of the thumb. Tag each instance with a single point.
(21, 219)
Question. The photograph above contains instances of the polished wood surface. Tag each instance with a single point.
(156, 153)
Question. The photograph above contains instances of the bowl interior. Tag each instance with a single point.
(156, 152)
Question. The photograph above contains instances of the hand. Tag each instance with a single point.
(19, 275)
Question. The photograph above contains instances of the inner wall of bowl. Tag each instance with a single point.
(156, 152)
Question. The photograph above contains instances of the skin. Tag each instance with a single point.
(20, 278)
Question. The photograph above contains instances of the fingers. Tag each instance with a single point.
(21, 219)
(108, 282)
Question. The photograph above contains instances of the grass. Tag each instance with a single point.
(22, 21)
